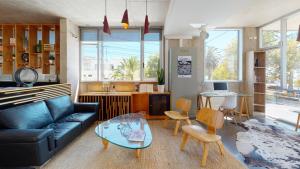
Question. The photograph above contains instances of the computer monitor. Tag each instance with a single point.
(220, 86)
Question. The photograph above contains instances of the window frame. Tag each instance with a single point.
(282, 45)
(240, 55)
(99, 43)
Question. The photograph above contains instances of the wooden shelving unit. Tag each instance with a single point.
(33, 42)
(18, 39)
(256, 79)
(1, 46)
(8, 48)
(57, 49)
(259, 81)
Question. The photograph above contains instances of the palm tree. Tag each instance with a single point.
(152, 66)
(127, 69)
(212, 60)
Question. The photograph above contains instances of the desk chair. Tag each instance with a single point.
(184, 106)
(213, 119)
(228, 107)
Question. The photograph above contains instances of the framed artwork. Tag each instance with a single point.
(184, 66)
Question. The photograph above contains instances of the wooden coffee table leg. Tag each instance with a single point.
(105, 143)
(138, 153)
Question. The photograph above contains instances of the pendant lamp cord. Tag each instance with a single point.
(105, 8)
(126, 4)
(146, 7)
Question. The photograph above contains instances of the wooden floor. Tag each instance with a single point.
(86, 152)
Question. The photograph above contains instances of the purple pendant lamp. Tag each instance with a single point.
(125, 20)
(106, 28)
(146, 24)
(298, 38)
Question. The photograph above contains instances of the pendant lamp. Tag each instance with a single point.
(125, 20)
(146, 24)
(298, 38)
(106, 28)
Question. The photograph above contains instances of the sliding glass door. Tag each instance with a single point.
(282, 68)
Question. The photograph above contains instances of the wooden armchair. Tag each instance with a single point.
(213, 120)
(184, 106)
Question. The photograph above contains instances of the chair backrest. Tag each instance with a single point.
(184, 105)
(229, 102)
(213, 119)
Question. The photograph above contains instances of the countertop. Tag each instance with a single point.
(118, 93)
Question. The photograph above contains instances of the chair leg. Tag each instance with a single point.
(176, 127)
(205, 153)
(221, 147)
(166, 121)
(188, 121)
(233, 116)
(185, 138)
(297, 124)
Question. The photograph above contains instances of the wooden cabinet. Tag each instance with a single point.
(118, 103)
(140, 102)
(158, 104)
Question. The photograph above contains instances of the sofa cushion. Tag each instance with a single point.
(64, 132)
(85, 119)
(60, 106)
(28, 116)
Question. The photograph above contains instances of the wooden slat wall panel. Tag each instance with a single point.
(10, 98)
(109, 106)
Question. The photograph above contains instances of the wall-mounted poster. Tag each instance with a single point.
(184, 66)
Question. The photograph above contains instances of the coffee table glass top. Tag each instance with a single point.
(118, 129)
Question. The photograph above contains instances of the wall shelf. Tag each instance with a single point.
(24, 38)
(256, 80)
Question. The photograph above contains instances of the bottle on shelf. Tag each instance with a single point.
(256, 62)
(38, 47)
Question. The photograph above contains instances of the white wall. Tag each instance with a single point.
(69, 60)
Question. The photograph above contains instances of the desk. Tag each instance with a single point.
(244, 109)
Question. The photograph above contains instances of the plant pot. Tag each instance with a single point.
(161, 88)
(51, 62)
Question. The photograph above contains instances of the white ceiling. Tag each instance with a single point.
(82, 12)
(175, 15)
(223, 13)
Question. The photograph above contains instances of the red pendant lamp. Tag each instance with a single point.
(298, 38)
(106, 28)
(146, 24)
(125, 20)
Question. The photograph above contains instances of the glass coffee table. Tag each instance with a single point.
(119, 131)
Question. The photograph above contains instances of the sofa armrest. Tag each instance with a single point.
(86, 107)
(24, 135)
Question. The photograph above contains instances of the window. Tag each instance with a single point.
(293, 53)
(270, 35)
(125, 55)
(152, 50)
(278, 39)
(223, 61)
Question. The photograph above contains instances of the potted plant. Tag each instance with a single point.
(51, 59)
(161, 80)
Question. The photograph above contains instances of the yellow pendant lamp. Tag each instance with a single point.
(125, 20)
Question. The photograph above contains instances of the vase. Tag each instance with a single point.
(161, 88)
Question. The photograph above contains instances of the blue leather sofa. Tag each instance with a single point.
(31, 134)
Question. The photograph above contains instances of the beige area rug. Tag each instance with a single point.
(86, 152)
